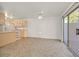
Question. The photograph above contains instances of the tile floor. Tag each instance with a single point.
(35, 47)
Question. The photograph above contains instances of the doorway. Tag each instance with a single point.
(71, 31)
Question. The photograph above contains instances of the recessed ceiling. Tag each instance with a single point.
(33, 9)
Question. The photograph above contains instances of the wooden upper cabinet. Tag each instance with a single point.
(2, 18)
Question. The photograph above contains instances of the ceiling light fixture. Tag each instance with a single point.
(40, 17)
(6, 15)
(10, 17)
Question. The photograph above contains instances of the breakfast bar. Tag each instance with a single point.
(7, 37)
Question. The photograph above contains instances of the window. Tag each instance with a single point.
(66, 20)
(73, 17)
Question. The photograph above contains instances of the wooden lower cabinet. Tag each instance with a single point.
(22, 33)
(7, 37)
(2, 18)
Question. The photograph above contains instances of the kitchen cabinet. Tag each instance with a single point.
(2, 18)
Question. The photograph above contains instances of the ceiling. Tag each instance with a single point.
(34, 9)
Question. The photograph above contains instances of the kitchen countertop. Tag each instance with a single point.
(5, 32)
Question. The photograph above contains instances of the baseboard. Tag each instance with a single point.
(44, 38)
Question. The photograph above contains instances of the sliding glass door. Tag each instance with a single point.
(66, 30)
(71, 31)
(74, 31)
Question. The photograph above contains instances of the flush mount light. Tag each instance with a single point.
(6, 15)
(40, 17)
(10, 17)
(40, 14)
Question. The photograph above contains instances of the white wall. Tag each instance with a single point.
(46, 28)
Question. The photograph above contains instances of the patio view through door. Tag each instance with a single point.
(71, 31)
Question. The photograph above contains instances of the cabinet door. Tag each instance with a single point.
(2, 18)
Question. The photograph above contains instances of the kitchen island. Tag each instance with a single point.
(7, 37)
